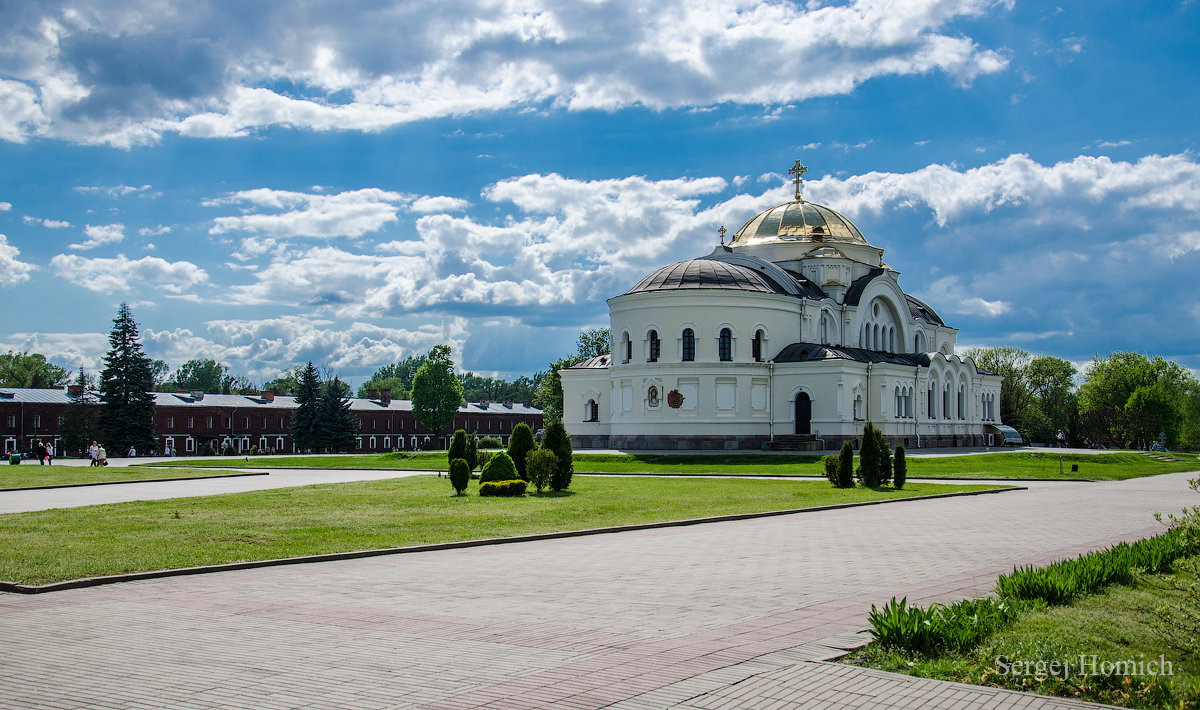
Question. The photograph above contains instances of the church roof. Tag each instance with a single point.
(921, 311)
(799, 221)
(706, 274)
(811, 352)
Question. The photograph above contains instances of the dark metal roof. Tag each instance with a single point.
(706, 274)
(808, 289)
(593, 363)
(855, 292)
(811, 352)
(921, 311)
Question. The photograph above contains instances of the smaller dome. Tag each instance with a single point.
(706, 274)
(797, 221)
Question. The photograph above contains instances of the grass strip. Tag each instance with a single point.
(1121, 623)
(30, 477)
(1015, 465)
(72, 543)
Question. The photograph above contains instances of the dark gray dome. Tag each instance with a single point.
(706, 274)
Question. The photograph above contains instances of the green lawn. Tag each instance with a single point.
(1115, 466)
(25, 476)
(1113, 625)
(70, 543)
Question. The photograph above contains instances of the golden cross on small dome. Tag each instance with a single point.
(721, 231)
(798, 171)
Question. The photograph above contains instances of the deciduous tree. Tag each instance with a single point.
(436, 391)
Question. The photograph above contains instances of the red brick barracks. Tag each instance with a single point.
(186, 421)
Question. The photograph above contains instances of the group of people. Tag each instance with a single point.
(98, 455)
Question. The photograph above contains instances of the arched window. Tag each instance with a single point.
(725, 345)
(898, 404)
(858, 407)
(875, 337)
(591, 411)
(962, 401)
(654, 346)
(626, 348)
(756, 346)
(919, 343)
(892, 340)
(689, 345)
(932, 413)
(946, 401)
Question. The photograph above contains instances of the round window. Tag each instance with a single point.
(875, 309)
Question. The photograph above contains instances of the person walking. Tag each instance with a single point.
(93, 454)
(40, 450)
(50, 454)
(101, 456)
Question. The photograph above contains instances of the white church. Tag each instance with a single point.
(794, 335)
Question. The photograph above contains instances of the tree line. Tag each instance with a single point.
(1126, 399)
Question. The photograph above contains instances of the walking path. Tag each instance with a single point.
(725, 615)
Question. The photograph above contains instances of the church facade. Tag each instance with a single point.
(794, 334)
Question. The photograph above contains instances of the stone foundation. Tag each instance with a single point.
(676, 442)
(671, 442)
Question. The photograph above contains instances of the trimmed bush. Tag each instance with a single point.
(460, 475)
(228, 450)
(207, 449)
(899, 468)
(557, 439)
(254, 451)
(509, 489)
(831, 467)
(519, 444)
(484, 457)
(490, 442)
(499, 468)
(846, 466)
(540, 465)
(458, 446)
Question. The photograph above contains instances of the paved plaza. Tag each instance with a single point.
(739, 614)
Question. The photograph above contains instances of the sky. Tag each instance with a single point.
(350, 183)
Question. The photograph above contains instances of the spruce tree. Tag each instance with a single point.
(79, 427)
(885, 458)
(306, 417)
(845, 472)
(126, 382)
(337, 426)
(868, 457)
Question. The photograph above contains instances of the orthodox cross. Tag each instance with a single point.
(721, 231)
(798, 171)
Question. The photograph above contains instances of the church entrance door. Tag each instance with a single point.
(803, 414)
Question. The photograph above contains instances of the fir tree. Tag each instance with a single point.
(127, 415)
(306, 418)
(519, 444)
(337, 426)
(80, 427)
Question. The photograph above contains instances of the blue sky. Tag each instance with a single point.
(268, 183)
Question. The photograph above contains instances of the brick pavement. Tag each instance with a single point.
(689, 617)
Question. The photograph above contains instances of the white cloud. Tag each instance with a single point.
(70, 350)
(953, 297)
(12, 270)
(263, 348)
(47, 223)
(124, 274)
(154, 231)
(346, 214)
(439, 204)
(5, 206)
(1171, 181)
(79, 74)
(98, 235)
(111, 190)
